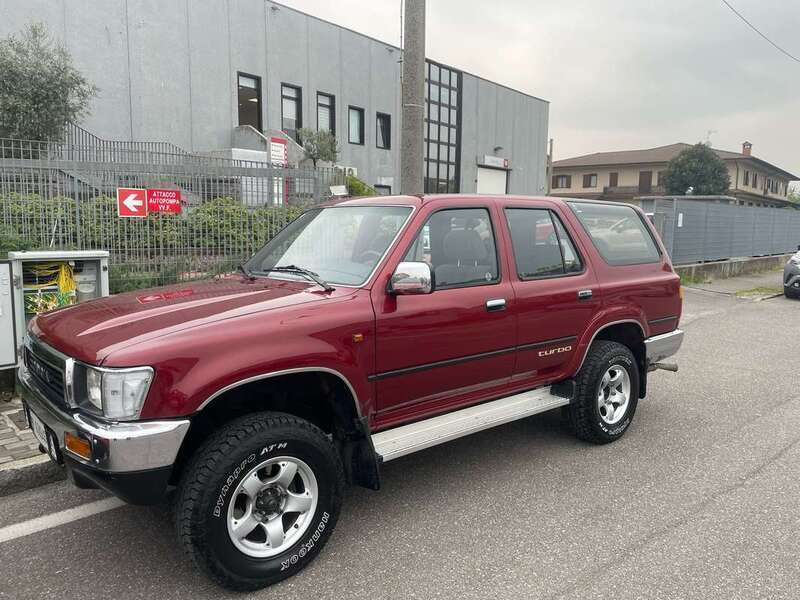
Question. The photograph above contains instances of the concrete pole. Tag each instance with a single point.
(411, 137)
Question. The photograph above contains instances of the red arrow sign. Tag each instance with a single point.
(131, 202)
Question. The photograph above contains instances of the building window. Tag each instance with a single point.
(747, 177)
(590, 180)
(755, 180)
(613, 179)
(562, 182)
(442, 129)
(291, 110)
(355, 127)
(249, 100)
(383, 190)
(383, 131)
(326, 112)
(660, 178)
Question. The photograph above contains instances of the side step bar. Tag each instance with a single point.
(399, 441)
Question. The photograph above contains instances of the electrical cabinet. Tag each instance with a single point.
(40, 281)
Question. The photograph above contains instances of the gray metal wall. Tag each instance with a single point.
(494, 115)
(695, 231)
(166, 70)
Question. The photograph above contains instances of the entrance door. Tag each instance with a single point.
(453, 346)
(492, 181)
(645, 182)
(8, 339)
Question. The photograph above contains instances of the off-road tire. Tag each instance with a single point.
(201, 505)
(791, 294)
(584, 415)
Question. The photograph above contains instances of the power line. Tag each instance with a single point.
(754, 28)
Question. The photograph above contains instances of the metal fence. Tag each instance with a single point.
(63, 195)
(698, 231)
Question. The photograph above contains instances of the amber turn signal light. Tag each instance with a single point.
(78, 445)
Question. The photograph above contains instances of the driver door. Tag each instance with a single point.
(454, 346)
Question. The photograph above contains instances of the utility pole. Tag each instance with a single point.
(411, 137)
(549, 169)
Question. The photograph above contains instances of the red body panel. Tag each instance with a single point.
(202, 337)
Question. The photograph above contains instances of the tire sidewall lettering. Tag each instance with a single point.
(239, 471)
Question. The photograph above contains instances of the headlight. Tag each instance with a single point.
(117, 393)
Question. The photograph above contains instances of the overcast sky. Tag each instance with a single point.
(621, 74)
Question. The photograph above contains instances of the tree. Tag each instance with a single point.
(794, 195)
(699, 168)
(40, 88)
(319, 145)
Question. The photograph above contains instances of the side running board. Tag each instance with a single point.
(397, 442)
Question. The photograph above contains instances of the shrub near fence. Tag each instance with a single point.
(201, 242)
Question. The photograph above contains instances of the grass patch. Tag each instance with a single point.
(687, 279)
(759, 291)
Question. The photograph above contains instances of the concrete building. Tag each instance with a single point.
(628, 174)
(224, 75)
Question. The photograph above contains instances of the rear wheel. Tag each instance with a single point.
(260, 500)
(607, 393)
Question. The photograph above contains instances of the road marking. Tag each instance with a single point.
(18, 530)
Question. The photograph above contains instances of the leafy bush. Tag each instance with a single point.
(201, 242)
(357, 188)
(41, 90)
(11, 241)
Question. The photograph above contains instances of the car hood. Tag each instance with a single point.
(92, 330)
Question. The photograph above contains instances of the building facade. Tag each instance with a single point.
(629, 174)
(223, 76)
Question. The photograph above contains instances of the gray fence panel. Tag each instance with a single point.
(697, 231)
(717, 238)
(742, 230)
(690, 226)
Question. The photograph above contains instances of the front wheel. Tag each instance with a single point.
(259, 500)
(607, 393)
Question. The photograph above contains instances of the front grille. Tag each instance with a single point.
(48, 378)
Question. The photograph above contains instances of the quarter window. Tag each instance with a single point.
(618, 233)
(459, 246)
(355, 127)
(541, 245)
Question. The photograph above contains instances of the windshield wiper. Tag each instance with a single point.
(246, 273)
(305, 273)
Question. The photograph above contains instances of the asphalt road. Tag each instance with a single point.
(698, 500)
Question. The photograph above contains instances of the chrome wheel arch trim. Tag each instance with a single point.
(273, 374)
(606, 326)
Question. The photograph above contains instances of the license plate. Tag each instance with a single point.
(43, 435)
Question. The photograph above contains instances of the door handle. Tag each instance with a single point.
(496, 304)
(584, 294)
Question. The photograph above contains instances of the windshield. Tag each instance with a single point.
(342, 245)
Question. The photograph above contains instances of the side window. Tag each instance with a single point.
(459, 246)
(618, 233)
(542, 247)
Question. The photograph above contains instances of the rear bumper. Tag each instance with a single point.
(132, 460)
(663, 346)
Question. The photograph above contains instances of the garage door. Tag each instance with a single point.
(491, 181)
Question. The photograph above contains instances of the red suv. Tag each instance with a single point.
(364, 331)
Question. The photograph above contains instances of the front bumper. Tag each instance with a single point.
(132, 460)
(663, 346)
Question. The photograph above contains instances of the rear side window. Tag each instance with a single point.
(542, 247)
(618, 233)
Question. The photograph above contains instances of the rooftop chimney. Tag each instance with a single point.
(746, 148)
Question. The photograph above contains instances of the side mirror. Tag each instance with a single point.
(411, 278)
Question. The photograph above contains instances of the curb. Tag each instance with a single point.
(28, 473)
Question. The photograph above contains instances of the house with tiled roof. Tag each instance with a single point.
(629, 174)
